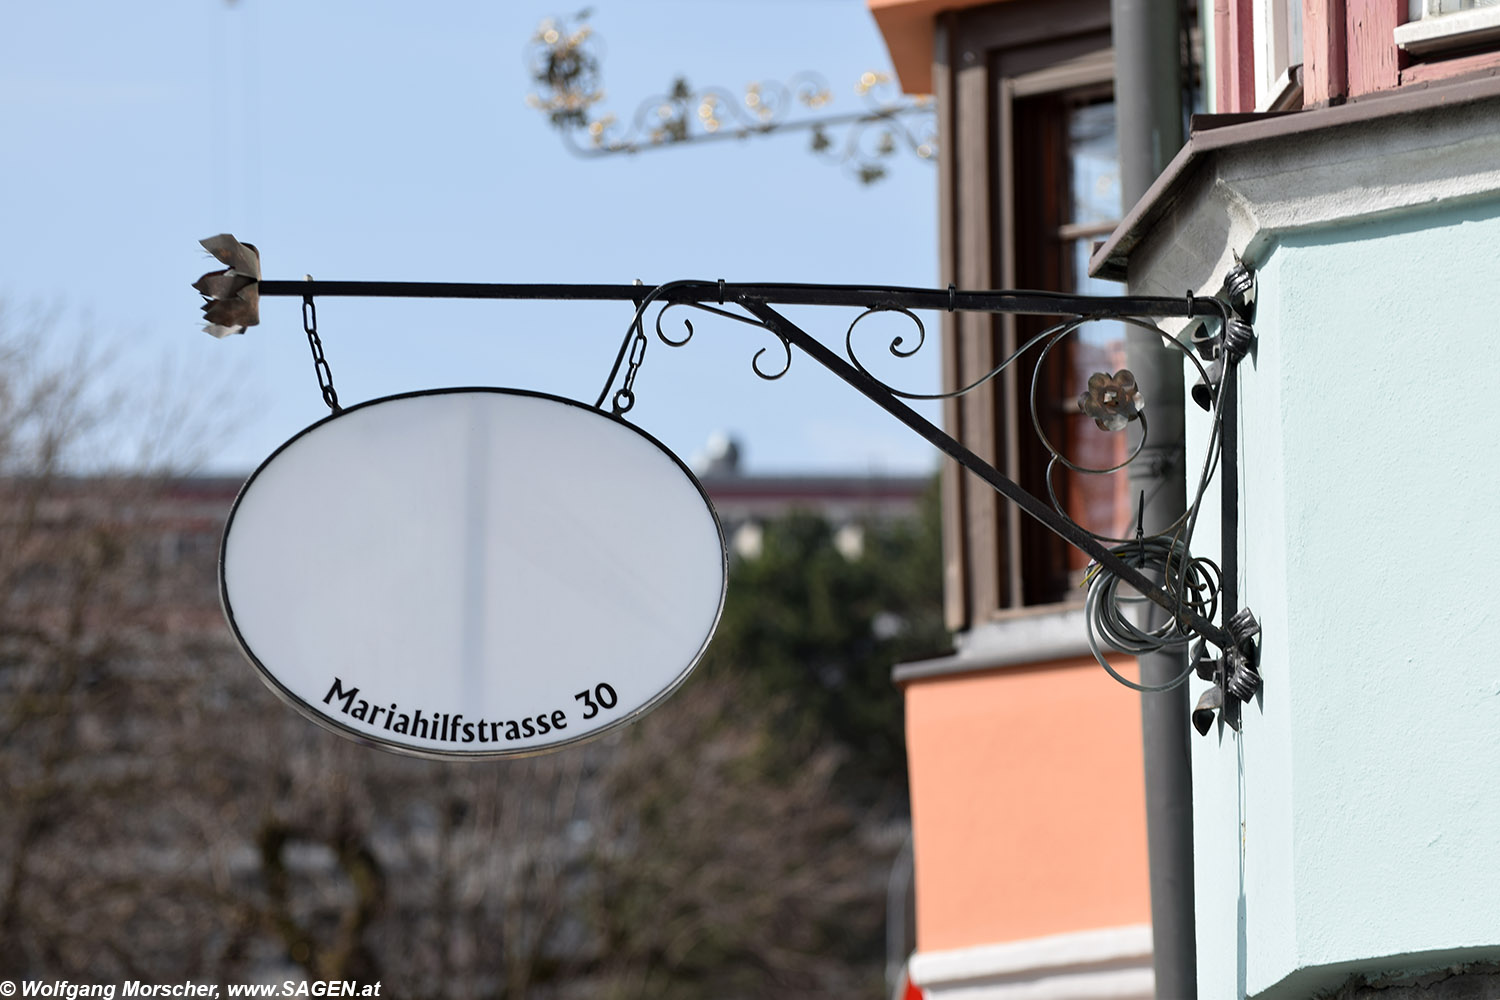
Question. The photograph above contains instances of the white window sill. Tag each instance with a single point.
(1285, 94)
(1461, 29)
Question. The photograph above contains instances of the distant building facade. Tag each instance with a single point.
(190, 517)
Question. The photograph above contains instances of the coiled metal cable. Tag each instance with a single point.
(1194, 583)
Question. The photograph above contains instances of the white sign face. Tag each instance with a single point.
(473, 572)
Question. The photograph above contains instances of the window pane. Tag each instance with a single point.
(1099, 503)
(1418, 9)
(1094, 168)
(1293, 22)
(1094, 159)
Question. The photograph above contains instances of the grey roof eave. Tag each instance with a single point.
(1214, 135)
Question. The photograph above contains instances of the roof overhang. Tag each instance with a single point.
(909, 28)
(1223, 146)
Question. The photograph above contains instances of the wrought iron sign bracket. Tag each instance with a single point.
(1236, 674)
(1193, 591)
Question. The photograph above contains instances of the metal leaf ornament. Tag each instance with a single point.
(231, 296)
(1112, 400)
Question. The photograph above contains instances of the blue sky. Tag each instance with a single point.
(382, 140)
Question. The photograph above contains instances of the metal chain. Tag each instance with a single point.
(625, 398)
(320, 363)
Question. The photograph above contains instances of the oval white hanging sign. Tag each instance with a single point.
(473, 572)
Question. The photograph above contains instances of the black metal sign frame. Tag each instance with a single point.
(1229, 337)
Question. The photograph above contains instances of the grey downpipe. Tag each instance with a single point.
(1148, 88)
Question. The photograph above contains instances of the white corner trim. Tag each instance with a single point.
(1109, 964)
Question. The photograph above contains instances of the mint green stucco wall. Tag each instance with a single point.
(1354, 825)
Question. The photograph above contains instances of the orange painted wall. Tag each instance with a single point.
(1028, 803)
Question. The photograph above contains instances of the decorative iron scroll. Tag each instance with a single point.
(1159, 568)
(564, 62)
(1189, 585)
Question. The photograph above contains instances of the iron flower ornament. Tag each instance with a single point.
(1112, 400)
(231, 297)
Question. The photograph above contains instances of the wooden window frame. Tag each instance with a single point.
(1278, 69)
(988, 61)
(1351, 49)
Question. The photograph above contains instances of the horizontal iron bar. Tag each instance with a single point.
(1070, 532)
(865, 296)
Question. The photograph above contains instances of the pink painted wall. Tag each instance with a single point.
(1028, 804)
